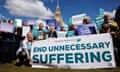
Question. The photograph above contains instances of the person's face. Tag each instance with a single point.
(11, 22)
(107, 17)
(29, 36)
(74, 27)
(41, 26)
(87, 21)
(52, 28)
(63, 28)
(25, 24)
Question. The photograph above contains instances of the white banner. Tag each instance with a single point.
(78, 19)
(5, 27)
(18, 22)
(83, 52)
(25, 30)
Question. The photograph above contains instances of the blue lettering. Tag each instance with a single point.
(69, 58)
(107, 56)
(60, 57)
(35, 59)
(79, 58)
(52, 58)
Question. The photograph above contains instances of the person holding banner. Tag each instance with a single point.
(108, 20)
(86, 20)
(18, 36)
(117, 16)
(72, 31)
(88, 27)
(107, 28)
(24, 51)
(27, 44)
(8, 42)
(110, 26)
(52, 33)
(62, 28)
(25, 28)
(41, 32)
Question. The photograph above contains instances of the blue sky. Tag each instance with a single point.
(45, 9)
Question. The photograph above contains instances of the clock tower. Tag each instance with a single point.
(58, 15)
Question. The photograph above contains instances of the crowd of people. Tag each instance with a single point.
(15, 46)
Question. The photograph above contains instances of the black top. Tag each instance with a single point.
(52, 34)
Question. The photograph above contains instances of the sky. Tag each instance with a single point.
(45, 9)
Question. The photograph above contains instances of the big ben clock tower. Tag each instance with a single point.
(58, 15)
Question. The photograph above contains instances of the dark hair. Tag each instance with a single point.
(10, 20)
(84, 21)
(105, 26)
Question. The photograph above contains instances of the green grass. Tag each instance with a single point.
(13, 68)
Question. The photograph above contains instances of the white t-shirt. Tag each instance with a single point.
(24, 45)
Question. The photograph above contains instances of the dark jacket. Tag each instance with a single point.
(52, 34)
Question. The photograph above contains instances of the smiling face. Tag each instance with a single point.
(29, 36)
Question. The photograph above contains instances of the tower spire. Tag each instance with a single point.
(57, 3)
(58, 8)
(58, 15)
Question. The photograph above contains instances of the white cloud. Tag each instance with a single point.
(28, 8)
(2, 17)
(112, 14)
